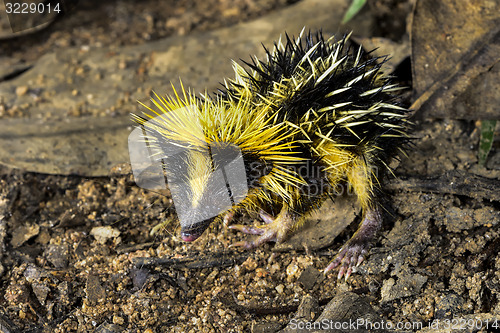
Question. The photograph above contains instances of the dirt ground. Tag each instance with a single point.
(77, 253)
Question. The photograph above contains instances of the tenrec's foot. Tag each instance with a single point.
(354, 251)
(274, 230)
(350, 256)
(225, 223)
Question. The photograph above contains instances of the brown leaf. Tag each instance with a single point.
(455, 48)
(321, 228)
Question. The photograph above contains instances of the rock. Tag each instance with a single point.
(23, 233)
(406, 285)
(102, 234)
(21, 90)
(448, 306)
(309, 277)
(108, 328)
(307, 311)
(94, 290)
(57, 255)
(41, 291)
(263, 327)
(349, 312)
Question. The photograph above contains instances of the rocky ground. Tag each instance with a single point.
(77, 253)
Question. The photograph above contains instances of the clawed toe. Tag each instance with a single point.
(352, 254)
(266, 233)
(259, 230)
(349, 257)
(274, 230)
(246, 229)
(266, 217)
(265, 236)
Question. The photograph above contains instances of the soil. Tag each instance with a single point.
(78, 253)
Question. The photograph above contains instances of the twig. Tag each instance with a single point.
(219, 259)
(453, 182)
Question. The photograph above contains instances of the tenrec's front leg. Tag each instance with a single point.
(354, 251)
(275, 229)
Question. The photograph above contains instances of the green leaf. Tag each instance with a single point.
(355, 7)
(487, 130)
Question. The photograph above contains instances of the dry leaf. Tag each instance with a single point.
(455, 55)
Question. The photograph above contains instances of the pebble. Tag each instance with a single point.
(21, 90)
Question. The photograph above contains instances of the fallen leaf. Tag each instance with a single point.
(455, 48)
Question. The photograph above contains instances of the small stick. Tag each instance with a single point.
(453, 182)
